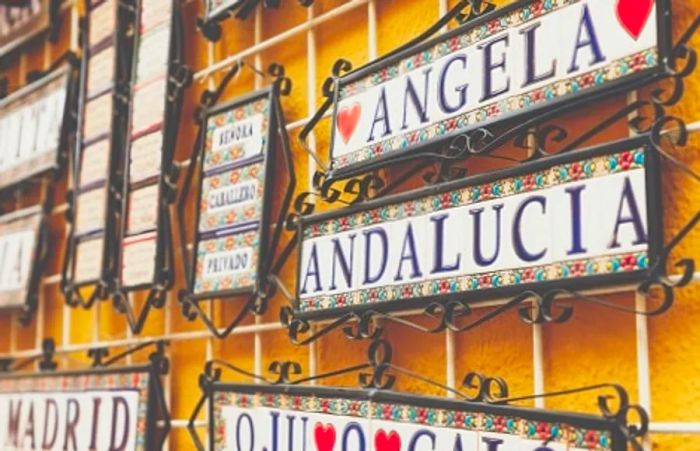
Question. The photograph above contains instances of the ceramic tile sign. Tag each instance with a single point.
(31, 126)
(574, 220)
(150, 146)
(232, 224)
(20, 21)
(516, 60)
(327, 419)
(99, 410)
(20, 233)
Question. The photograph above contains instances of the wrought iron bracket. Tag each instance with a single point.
(241, 9)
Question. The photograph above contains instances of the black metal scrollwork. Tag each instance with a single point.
(211, 26)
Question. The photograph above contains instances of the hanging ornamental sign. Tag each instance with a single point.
(102, 409)
(21, 244)
(255, 418)
(91, 258)
(154, 114)
(32, 127)
(20, 21)
(516, 60)
(240, 146)
(579, 219)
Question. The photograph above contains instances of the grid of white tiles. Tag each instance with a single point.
(258, 329)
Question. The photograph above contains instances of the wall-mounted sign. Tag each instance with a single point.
(90, 258)
(97, 410)
(232, 221)
(21, 21)
(516, 60)
(32, 126)
(325, 419)
(145, 227)
(579, 219)
(20, 256)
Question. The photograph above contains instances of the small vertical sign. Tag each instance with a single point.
(238, 155)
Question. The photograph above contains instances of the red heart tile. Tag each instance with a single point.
(347, 120)
(324, 436)
(387, 442)
(633, 15)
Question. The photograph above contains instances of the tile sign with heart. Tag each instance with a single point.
(328, 419)
(520, 58)
(238, 151)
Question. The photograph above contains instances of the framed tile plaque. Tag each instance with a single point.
(276, 418)
(579, 219)
(90, 260)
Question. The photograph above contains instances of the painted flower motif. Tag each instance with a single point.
(499, 424)
(626, 160)
(629, 262)
(638, 62)
(578, 269)
(485, 280)
(537, 8)
(528, 275)
(444, 286)
(529, 182)
(591, 439)
(587, 80)
(575, 171)
(386, 411)
(543, 431)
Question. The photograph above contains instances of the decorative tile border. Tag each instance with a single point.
(557, 175)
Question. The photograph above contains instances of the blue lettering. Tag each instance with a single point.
(381, 234)
(345, 263)
(251, 428)
(490, 65)
(520, 250)
(421, 109)
(461, 89)
(530, 63)
(381, 114)
(576, 245)
(492, 443)
(312, 271)
(354, 427)
(417, 436)
(634, 217)
(440, 265)
(409, 243)
(591, 41)
(478, 254)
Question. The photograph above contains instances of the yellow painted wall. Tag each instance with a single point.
(597, 345)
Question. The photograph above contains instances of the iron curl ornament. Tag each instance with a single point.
(541, 138)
